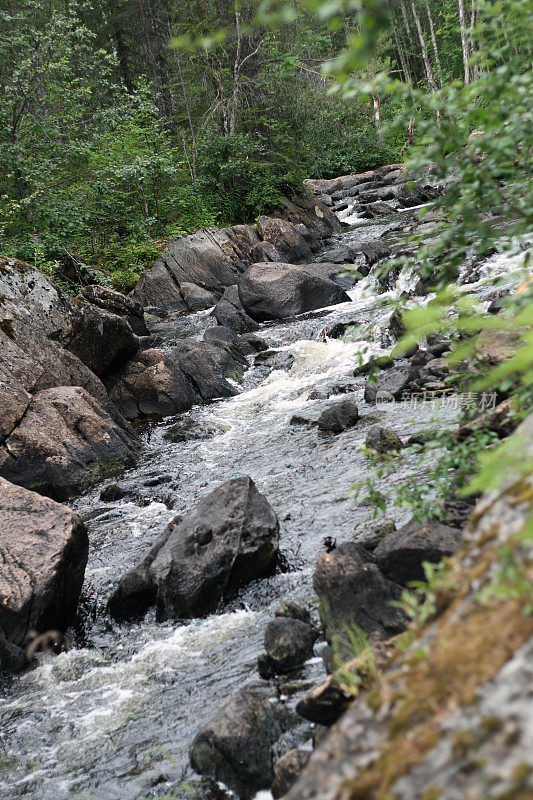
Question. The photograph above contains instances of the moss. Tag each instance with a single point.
(463, 742)
(431, 793)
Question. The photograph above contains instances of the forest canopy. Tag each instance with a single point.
(125, 123)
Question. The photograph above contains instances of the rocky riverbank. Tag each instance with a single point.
(235, 529)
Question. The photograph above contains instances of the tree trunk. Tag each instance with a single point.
(377, 118)
(464, 41)
(434, 43)
(424, 50)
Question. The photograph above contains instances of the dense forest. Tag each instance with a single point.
(128, 122)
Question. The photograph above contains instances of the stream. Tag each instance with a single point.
(112, 718)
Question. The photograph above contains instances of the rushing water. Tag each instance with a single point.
(113, 717)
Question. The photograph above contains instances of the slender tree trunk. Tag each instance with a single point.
(236, 75)
(464, 41)
(189, 118)
(403, 56)
(423, 48)
(377, 118)
(434, 43)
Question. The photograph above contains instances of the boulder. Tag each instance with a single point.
(236, 747)
(287, 769)
(415, 196)
(353, 593)
(197, 298)
(152, 384)
(38, 323)
(208, 367)
(103, 341)
(343, 254)
(117, 303)
(293, 611)
(326, 703)
(44, 550)
(287, 238)
(401, 554)
(230, 313)
(229, 539)
(281, 291)
(394, 382)
(374, 251)
(338, 417)
(65, 442)
(265, 251)
(383, 440)
(288, 643)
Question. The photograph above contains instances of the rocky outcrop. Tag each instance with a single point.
(236, 747)
(116, 303)
(168, 382)
(65, 442)
(194, 270)
(229, 539)
(383, 440)
(51, 350)
(281, 291)
(43, 553)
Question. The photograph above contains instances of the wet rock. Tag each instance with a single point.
(393, 382)
(415, 196)
(400, 555)
(152, 384)
(287, 769)
(253, 343)
(343, 254)
(169, 382)
(186, 429)
(293, 611)
(230, 313)
(436, 368)
(325, 392)
(383, 440)
(339, 417)
(44, 549)
(326, 703)
(374, 251)
(396, 325)
(353, 592)
(37, 324)
(117, 303)
(229, 539)
(288, 643)
(281, 291)
(236, 746)
(66, 442)
(275, 359)
(112, 492)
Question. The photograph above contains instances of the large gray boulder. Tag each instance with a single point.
(288, 238)
(236, 747)
(229, 539)
(230, 313)
(44, 550)
(169, 382)
(353, 595)
(65, 442)
(401, 554)
(281, 291)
